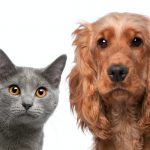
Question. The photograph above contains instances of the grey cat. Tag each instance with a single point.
(27, 98)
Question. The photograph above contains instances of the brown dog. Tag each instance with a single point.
(109, 80)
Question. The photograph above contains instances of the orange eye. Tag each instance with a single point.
(41, 92)
(14, 90)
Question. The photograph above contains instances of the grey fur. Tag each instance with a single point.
(21, 129)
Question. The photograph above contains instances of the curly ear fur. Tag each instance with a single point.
(84, 95)
(145, 119)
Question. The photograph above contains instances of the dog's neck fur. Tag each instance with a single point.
(123, 117)
(24, 138)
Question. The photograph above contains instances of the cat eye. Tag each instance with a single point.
(41, 92)
(14, 90)
(102, 43)
(136, 42)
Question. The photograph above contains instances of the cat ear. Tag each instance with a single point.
(7, 68)
(53, 71)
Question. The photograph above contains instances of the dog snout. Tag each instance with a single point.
(117, 73)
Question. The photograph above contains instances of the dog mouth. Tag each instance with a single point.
(118, 94)
(121, 94)
(119, 91)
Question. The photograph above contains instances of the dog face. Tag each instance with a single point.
(111, 65)
(120, 51)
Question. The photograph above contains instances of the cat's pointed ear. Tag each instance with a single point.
(53, 71)
(7, 68)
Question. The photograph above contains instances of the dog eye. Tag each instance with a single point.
(102, 43)
(136, 42)
(41, 92)
(14, 90)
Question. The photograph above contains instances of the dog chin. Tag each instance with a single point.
(119, 94)
(124, 95)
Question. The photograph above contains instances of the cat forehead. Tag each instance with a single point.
(27, 72)
(28, 75)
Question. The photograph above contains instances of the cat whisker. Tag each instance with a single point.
(47, 112)
(17, 110)
(5, 123)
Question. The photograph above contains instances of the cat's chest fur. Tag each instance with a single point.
(21, 138)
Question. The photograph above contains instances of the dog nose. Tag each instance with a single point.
(26, 106)
(117, 73)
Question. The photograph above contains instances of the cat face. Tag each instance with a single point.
(28, 95)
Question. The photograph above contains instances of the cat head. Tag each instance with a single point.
(28, 95)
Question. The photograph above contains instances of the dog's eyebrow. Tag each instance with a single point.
(108, 32)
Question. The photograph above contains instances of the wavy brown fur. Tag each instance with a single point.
(111, 111)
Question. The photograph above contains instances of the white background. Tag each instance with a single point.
(34, 32)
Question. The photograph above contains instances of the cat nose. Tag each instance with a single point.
(26, 106)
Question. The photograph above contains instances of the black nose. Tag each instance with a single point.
(117, 73)
(26, 106)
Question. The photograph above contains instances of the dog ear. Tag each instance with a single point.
(84, 96)
(144, 121)
(83, 43)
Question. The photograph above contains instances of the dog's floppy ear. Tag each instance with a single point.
(145, 117)
(83, 43)
(84, 96)
(144, 121)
